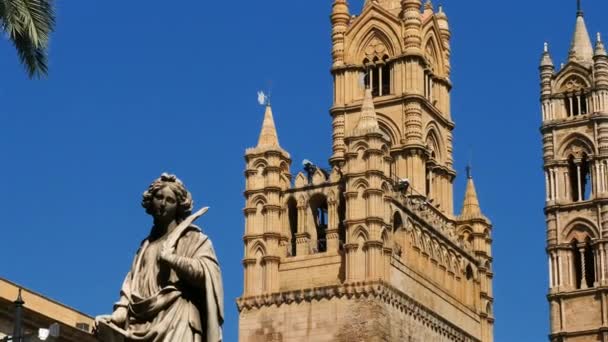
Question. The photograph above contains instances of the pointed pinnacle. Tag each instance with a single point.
(268, 134)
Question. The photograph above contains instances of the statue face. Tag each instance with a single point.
(164, 204)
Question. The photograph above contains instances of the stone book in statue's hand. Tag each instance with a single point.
(105, 332)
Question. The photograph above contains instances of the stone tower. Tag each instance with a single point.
(574, 101)
(370, 248)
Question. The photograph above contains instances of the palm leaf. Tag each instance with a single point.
(33, 59)
(29, 24)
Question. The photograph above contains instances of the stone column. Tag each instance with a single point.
(583, 271)
(547, 186)
(272, 273)
(579, 184)
(249, 265)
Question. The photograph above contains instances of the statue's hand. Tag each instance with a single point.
(119, 316)
(166, 253)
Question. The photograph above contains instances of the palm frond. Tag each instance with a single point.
(33, 58)
(29, 24)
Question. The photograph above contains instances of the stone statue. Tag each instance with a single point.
(173, 291)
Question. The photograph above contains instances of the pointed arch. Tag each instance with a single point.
(260, 163)
(258, 199)
(292, 218)
(318, 177)
(576, 144)
(385, 237)
(389, 128)
(374, 28)
(434, 138)
(301, 180)
(360, 184)
(258, 249)
(433, 53)
(572, 72)
(397, 221)
(319, 210)
(359, 232)
(360, 145)
(580, 229)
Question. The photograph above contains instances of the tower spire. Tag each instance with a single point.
(268, 134)
(581, 49)
(368, 121)
(470, 207)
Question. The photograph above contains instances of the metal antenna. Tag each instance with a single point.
(469, 167)
(269, 92)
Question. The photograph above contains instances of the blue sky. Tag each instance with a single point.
(137, 88)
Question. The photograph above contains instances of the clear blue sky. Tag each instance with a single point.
(137, 88)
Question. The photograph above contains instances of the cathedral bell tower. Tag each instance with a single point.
(369, 248)
(574, 105)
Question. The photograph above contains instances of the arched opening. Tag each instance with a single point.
(341, 218)
(292, 213)
(399, 234)
(469, 273)
(586, 177)
(378, 75)
(386, 76)
(589, 264)
(576, 104)
(318, 205)
(580, 178)
(577, 263)
(259, 283)
(573, 175)
(397, 223)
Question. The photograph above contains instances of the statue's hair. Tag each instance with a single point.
(182, 195)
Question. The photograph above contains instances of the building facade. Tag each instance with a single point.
(574, 128)
(41, 312)
(370, 249)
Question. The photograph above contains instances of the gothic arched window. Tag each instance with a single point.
(378, 75)
(579, 172)
(318, 205)
(292, 213)
(583, 262)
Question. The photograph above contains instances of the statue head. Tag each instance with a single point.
(167, 196)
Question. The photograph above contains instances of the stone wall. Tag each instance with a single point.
(354, 313)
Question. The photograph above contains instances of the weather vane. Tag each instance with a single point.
(264, 98)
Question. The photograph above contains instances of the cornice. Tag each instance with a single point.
(589, 204)
(378, 290)
(576, 121)
(355, 106)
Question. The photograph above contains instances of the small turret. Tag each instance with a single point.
(547, 70)
(339, 20)
(410, 13)
(600, 61)
(429, 10)
(368, 122)
(446, 35)
(266, 175)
